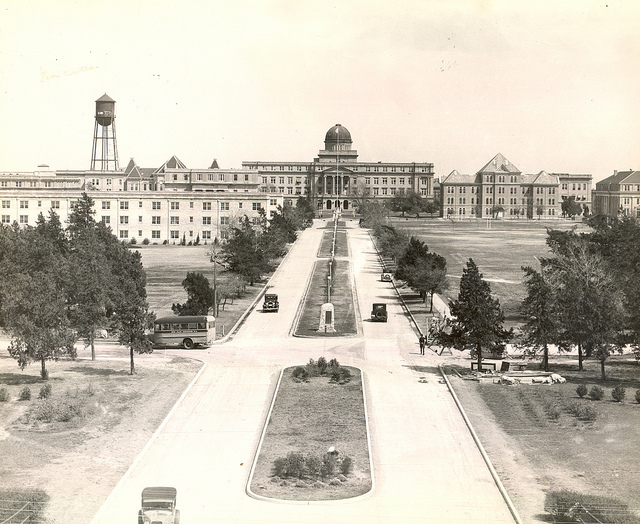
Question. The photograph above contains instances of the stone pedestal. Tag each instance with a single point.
(327, 319)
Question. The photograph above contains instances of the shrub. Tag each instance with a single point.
(14, 501)
(300, 374)
(570, 506)
(312, 368)
(295, 465)
(596, 393)
(133, 241)
(638, 396)
(552, 410)
(25, 393)
(4, 395)
(312, 465)
(618, 393)
(45, 391)
(340, 375)
(328, 467)
(589, 413)
(581, 390)
(346, 466)
(322, 365)
(333, 363)
(279, 467)
(145, 242)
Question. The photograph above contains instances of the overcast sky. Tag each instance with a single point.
(553, 86)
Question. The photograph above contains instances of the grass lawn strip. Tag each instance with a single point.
(342, 298)
(546, 447)
(309, 417)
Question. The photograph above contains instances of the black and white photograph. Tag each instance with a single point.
(350, 261)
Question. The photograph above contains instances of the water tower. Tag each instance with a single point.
(104, 154)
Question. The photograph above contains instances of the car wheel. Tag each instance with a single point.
(140, 520)
(176, 519)
(380, 316)
(187, 343)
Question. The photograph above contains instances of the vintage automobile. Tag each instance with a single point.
(271, 303)
(379, 313)
(159, 506)
(386, 276)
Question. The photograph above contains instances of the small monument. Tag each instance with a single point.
(327, 319)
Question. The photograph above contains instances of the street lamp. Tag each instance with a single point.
(213, 257)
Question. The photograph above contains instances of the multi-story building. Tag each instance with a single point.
(618, 194)
(337, 180)
(501, 189)
(577, 186)
(171, 203)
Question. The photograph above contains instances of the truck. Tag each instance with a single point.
(271, 304)
(379, 313)
(159, 506)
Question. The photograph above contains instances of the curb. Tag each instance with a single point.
(487, 460)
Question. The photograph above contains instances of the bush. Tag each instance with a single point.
(596, 393)
(25, 393)
(45, 391)
(300, 374)
(14, 501)
(346, 466)
(552, 409)
(580, 410)
(618, 393)
(570, 506)
(133, 241)
(333, 363)
(145, 242)
(638, 396)
(4, 395)
(589, 413)
(581, 390)
(322, 365)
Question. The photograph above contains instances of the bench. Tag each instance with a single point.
(485, 365)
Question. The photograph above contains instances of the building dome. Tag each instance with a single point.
(338, 137)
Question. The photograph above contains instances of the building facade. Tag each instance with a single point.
(618, 195)
(500, 189)
(335, 179)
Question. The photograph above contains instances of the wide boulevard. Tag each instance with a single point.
(426, 466)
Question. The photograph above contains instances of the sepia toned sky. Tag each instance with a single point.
(552, 85)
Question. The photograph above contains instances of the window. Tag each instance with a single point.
(24, 219)
(367, 180)
(375, 190)
(401, 180)
(206, 221)
(376, 180)
(255, 206)
(140, 202)
(175, 206)
(224, 221)
(221, 177)
(224, 206)
(206, 235)
(48, 184)
(124, 204)
(384, 190)
(156, 205)
(246, 178)
(55, 204)
(272, 202)
(199, 177)
(18, 184)
(281, 180)
(24, 204)
(124, 233)
(206, 206)
(235, 177)
(6, 204)
(174, 234)
(155, 221)
(106, 220)
(155, 234)
(124, 220)
(39, 203)
(6, 219)
(384, 181)
(273, 180)
(174, 220)
(239, 205)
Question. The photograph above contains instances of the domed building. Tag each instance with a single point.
(336, 180)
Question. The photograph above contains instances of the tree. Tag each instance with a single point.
(477, 316)
(391, 241)
(33, 300)
(200, 296)
(432, 206)
(243, 254)
(410, 202)
(589, 300)
(570, 207)
(538, 307)
(416, 250)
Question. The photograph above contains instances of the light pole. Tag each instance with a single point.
(213, 257)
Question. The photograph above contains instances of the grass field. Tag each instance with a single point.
(336, 418)
(498, 247)
(540, 438)
(167, 266)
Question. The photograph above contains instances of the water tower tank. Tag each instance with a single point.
(105, 110)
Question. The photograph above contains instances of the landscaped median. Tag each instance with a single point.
(315, 445)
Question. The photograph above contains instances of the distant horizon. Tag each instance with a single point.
(551, 86)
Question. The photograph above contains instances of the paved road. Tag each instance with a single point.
(426, 466)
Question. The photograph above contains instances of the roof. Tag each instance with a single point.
(541, 179)
(181, 320)
(619, 177)
(214, 164)
(159, 492)
(499, 164)
(338, 133)
(456, 178)
(105, 98)
(173, 163)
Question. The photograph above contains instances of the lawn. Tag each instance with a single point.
(309, 418)
(544, 438)
(77, 444)
(498, 247)
(167, 266)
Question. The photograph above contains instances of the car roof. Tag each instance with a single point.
(159, 492)
(183, 320)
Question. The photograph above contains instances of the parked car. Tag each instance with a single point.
(159, 506)
(386, 276)
(379, 313)
(271, 303)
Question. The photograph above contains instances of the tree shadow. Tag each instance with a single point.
(19, 379)
(99, 372)
(424, 369)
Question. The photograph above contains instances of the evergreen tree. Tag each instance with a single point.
(477, 316)
(200, 296)
(243, 254)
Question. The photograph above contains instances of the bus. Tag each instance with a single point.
(187, 331)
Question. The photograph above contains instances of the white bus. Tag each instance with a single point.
(187, 331)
